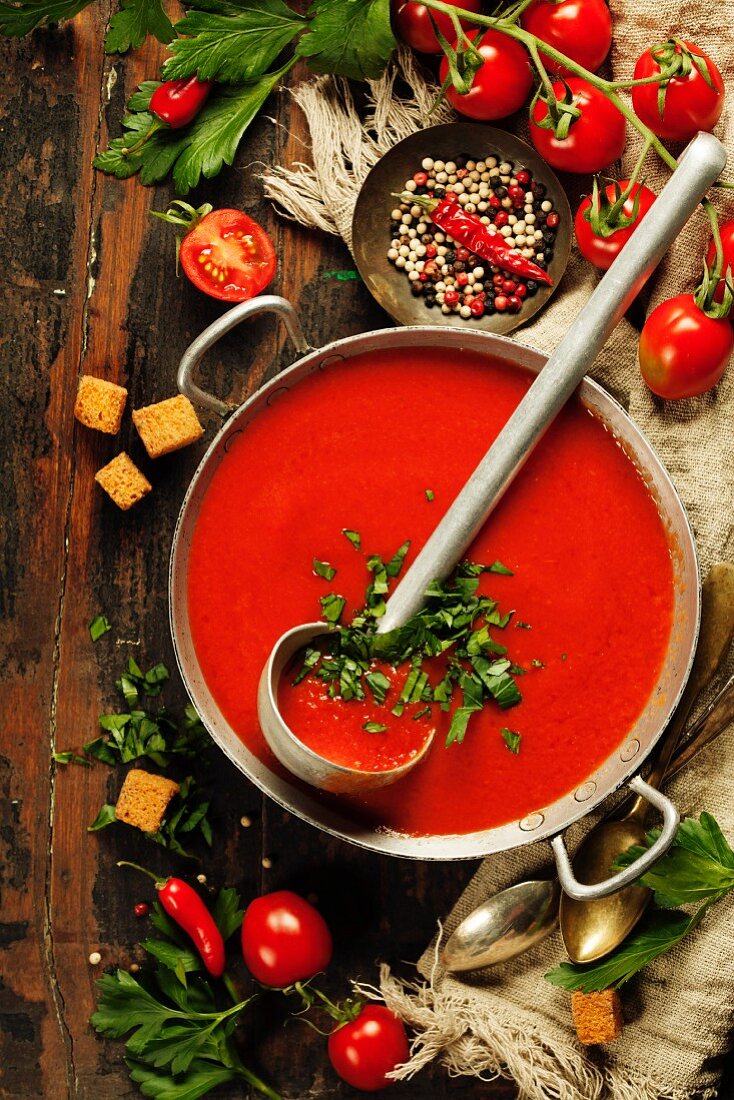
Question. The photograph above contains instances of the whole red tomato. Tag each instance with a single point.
(501, 85)
(690, 103)
(413, 23)
(284, 939)
(598, 249)
(228, 255)
(727, 244)
(595, 139)
(580, 29)
(364, 1050)
(683, 352)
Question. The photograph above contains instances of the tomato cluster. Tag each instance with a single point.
(577, 126)
(286, 941)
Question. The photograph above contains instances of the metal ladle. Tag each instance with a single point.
(515, 919)
(699, 165)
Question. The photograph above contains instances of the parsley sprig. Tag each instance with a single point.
(455, 623)
(180, 1033)
(698, 868)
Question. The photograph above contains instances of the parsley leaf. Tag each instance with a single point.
(512, 739)
(232, 46)
(202, 149)
(228, 911)
(699, 866)
(106, 816)
(16, 21)
(186, 814)
(354, 537)
(660, 931)
(374, 727)
(99, 626)
(430, 495)
(323, 569)
(348, 37)
(131, 25)
(69, 757)
(332, 607)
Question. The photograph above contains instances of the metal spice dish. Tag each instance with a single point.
(373, 224)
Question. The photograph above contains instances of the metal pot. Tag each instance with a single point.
(547, 821)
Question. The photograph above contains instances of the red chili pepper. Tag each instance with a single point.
(468, 230)
(177, 102)
(183, 904)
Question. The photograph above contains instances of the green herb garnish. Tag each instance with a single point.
(430, 495)
(354, 537)
(68, 757)
(374, 727)
(323, 569)
(512, 739)
(699, 868)
(498, 567)
(99, 625)
(454, 621)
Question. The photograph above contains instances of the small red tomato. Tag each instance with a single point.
(595, 139)
(228, 256)
(683, 352)
(284, 939)
(501, 85)
(691, 103)
(727, 244)
(580, 29)
(600, 250)
(366, 1049)
(413, 23)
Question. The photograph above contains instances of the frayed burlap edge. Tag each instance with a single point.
(345, 144)
(503, 1045)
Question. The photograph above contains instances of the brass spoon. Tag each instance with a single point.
(591, 929)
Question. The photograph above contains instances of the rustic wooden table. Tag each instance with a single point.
(89, 287)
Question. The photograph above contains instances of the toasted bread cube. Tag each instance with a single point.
(597, 1016)
(144, 799)
(123, 481)
(167, 426)
(100, 404)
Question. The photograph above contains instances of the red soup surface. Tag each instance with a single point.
(356, 447)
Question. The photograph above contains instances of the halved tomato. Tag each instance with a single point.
(228, 256)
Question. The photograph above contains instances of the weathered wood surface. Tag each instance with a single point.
(88, 286)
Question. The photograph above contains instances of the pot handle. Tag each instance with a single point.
(265, 303)
(582, 892)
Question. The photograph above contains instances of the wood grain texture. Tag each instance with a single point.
(88, 286)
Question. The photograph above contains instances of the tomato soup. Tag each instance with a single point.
(381, 444)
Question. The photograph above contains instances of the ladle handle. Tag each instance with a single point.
(264, 303)
(700, 164)
(580, 891)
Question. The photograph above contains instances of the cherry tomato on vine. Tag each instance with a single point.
(691, 103)
(364, 1050)
(228, 256)
(727, 243)
(601, 250)
(501, 85)
(413, 23)
(595, 139)
(284, 939)
(581, 29)
(683, 352)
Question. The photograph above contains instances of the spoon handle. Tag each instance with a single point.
(699, 165)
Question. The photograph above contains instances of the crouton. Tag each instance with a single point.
(144, 799)
(597, 1016)
(100, 404)
(123, 481)
(167, 426)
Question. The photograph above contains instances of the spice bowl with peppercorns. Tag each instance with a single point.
(462, 224)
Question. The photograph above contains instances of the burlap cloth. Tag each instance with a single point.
(509, 1021)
